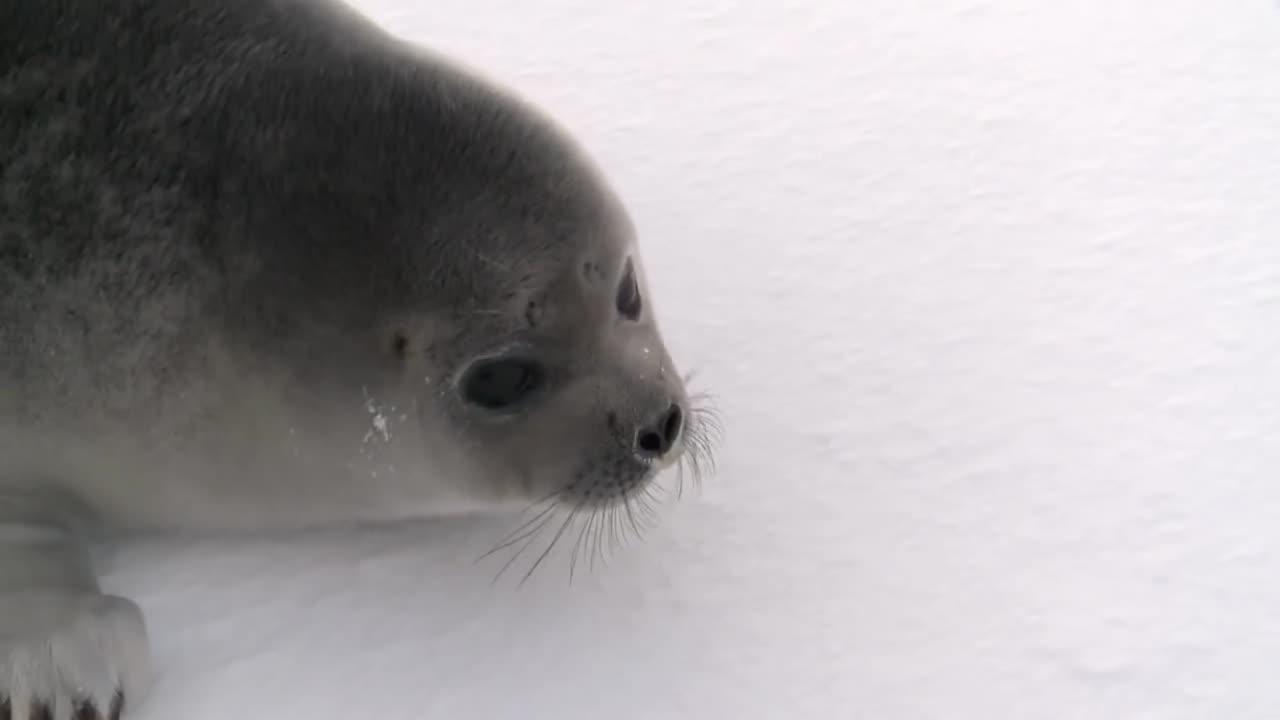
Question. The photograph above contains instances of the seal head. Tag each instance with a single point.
(457, 258)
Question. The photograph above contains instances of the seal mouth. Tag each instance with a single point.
(608, 503)
(609, 484)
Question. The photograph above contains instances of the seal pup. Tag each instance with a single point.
(263, 265)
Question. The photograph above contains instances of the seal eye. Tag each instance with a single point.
(498, 384)
(628, 300)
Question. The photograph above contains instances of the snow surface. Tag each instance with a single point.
(989, 291)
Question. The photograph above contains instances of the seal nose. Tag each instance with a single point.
(657, 439)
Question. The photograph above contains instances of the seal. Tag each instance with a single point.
(265, 266)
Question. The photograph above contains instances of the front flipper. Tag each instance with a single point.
(67, 651)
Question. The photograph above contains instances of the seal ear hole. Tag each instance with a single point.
(628, 298)
(501, 383)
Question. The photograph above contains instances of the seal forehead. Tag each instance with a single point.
(523, 207)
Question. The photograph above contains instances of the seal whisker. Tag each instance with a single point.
(706, 423)
(646, 520)
(647, 499)
(614, 533)
(531, 535)
(621, 525)
(650, 499)
(695, 466)
(511, 537)
(626, 505)
(599, 517)
(703, 433)
(590, 539)
(689, 464)
(577, 546)
(550, 498)
(552, 544)
(508, 543)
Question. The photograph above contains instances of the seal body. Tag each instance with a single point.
(263, 265)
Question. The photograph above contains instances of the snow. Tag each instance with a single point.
(989, 294)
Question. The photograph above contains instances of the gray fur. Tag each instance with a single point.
(247, 248)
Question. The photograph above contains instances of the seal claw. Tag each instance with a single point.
(86, 710)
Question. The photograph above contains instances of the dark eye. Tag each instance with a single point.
(628, 300)
(500, 383)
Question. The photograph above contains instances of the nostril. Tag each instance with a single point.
(650, 442)
(658, 439)
(671, 428)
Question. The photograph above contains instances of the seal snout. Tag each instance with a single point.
(657, 438)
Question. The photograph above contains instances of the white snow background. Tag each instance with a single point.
(989, 293)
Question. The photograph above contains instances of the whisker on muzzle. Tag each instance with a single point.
(603, 529)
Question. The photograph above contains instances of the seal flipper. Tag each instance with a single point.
(66, 649)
